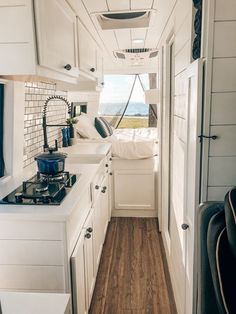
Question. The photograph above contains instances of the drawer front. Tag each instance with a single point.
(41, 278)
(96, 185)
(31, 230)
(13, 252)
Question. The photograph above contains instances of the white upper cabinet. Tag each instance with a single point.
(17, 50)
(87, 51)
(56, 36)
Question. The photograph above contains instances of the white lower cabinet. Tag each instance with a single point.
(87, 253)
(78, 277)
(83, 275)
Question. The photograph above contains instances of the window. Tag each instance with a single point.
(115, 96)
(1, 129)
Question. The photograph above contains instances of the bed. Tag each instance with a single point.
(137, 143)
(134, 168)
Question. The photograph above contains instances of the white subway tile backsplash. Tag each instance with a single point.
(35, 95)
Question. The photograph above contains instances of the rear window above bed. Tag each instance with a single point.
(122, 102)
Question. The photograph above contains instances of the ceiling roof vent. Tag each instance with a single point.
(128, 19)
(137, 56)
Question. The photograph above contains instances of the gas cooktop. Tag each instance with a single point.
(42, 190)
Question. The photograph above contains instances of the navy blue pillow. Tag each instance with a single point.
(103, 127)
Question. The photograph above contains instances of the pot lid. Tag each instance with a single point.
(51, 155)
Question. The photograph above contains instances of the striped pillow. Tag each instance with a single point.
(103, 127)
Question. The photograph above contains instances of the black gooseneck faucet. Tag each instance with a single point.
(45, 125)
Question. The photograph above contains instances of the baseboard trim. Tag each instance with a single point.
(133, 213)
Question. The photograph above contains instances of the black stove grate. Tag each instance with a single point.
(42, 190)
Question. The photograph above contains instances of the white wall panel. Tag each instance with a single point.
(223, 108)
(217, 193)
(182, 58)
(224, 39)
(224, 75)
(225, 145)
(183, 34)
(225, 10)
(222, 171)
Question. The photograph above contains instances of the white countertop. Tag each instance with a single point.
(87, 149)
(34, 303)
(51, 212)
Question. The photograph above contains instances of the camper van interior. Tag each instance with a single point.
(117, 156)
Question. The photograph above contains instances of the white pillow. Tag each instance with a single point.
(85, 128)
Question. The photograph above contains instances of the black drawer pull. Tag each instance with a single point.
(68, 67)
(88, 235)
(90, 229)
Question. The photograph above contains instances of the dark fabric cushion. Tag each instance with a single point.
(230, 218)
(215, 228)
(206, 299)
(103, 127)
(222, 264)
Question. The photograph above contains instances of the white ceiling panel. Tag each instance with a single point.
(95, 5)
(141, 4)
(120, 5)
(109, 40)
(154, 5)
(138, 33)
(124, 38)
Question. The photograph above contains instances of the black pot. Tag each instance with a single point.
(51, 163)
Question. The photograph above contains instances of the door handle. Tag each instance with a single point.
(212, 137)
(184, 226)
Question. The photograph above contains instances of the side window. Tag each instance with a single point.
(1, 129)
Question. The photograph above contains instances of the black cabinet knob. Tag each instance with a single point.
(110, 159)
(184, 226)
(92, 70)
(97, 187)
(106, 165)
(88, 235)
(102, 83)
(110, 173)
(90, 229)
(68, 67)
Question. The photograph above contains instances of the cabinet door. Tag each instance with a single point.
(97, 233)
(56, 36)
(99, 68)
(78, 277)
(87, 50)
(88, 252)
(104, 205)
(134, 189)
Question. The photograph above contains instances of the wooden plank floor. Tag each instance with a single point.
(132, 277)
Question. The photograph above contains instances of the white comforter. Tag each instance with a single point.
(134, 143)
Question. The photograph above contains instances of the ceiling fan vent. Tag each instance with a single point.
(136, 56)
(137, 50)
(119, 20)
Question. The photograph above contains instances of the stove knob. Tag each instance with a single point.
(45, 200)
(18, 197)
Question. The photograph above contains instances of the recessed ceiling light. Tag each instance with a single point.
(138, 41)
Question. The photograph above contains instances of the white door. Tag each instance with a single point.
(192, 178)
